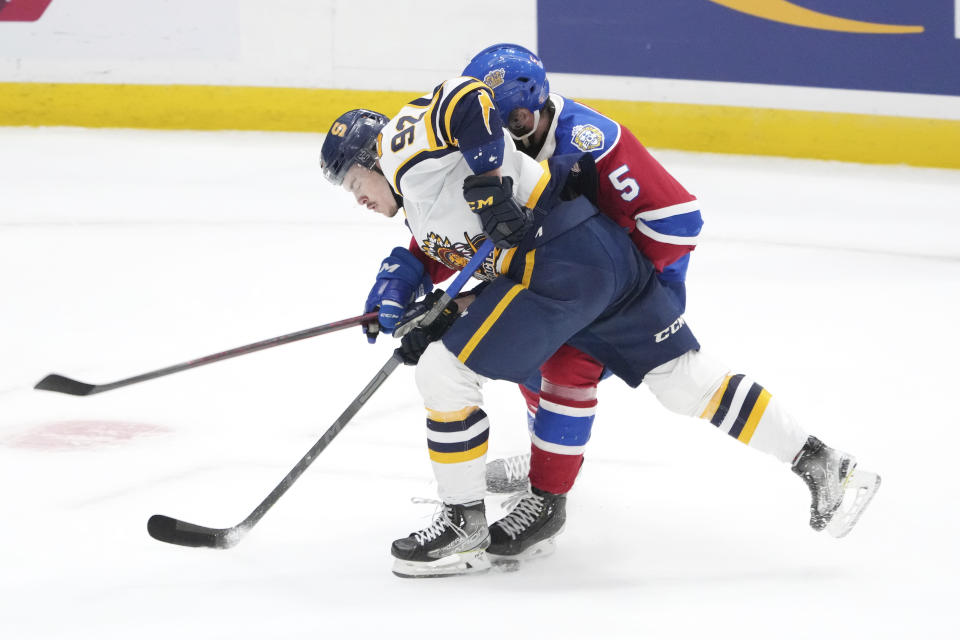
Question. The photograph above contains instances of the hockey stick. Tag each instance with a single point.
(173, 531)
(62, 384)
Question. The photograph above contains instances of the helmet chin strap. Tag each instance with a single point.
(523, 138)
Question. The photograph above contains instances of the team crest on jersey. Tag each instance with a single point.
(587, 137)
(494, 78)
(456, 255)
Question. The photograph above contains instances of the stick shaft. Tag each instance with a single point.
(361, 399)
(62, 384)
(175, 531)
(465, 274)
(321, 444)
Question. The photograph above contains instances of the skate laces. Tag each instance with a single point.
(526, 509)
(442, 520)
(517, 467)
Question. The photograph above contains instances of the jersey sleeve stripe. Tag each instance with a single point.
(672, 210)
(611, 147)
(447, 106)
(433, 139)
(685, 225)
(664, 238)
(436, 146)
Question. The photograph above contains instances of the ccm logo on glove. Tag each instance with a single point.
(503, 220)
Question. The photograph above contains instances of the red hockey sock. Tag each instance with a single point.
(553, 472)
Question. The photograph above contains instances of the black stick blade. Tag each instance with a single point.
(173, 531)
(62, 384)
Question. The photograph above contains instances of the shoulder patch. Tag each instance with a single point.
(586, 137)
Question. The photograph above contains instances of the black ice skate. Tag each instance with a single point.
(528, 530)
(453, 545)
(509, 475)
(839, 490)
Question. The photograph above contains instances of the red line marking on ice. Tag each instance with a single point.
(82, 434)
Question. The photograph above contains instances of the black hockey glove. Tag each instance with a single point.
(415, 341)
(503, 220)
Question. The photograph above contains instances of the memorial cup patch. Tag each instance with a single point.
(587, 137)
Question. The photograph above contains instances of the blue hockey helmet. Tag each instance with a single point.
(352, 139)
(515, 74)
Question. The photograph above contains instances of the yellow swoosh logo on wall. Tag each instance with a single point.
(789, 13)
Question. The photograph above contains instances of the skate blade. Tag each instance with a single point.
(457, 564)
(512, 563)
(860, 489)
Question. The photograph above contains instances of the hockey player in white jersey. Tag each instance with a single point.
(562, 274)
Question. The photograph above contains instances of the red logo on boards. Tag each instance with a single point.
(22, 10)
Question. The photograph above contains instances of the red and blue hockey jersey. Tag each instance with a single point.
(634, 189)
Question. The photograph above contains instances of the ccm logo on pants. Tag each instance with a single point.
(660, 336)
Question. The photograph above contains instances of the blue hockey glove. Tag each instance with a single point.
(503, 220)
(415, 341)
(401, 280)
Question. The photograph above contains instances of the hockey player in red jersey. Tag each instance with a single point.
(634, 190)
(663, 220)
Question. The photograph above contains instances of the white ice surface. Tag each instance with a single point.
(835, 285)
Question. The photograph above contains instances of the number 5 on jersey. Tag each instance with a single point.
(628, 187)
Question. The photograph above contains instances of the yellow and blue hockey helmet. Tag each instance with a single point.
(352, 139)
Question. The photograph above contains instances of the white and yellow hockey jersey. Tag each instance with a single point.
(421, 156)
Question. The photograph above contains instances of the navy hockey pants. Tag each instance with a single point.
(588, 287)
